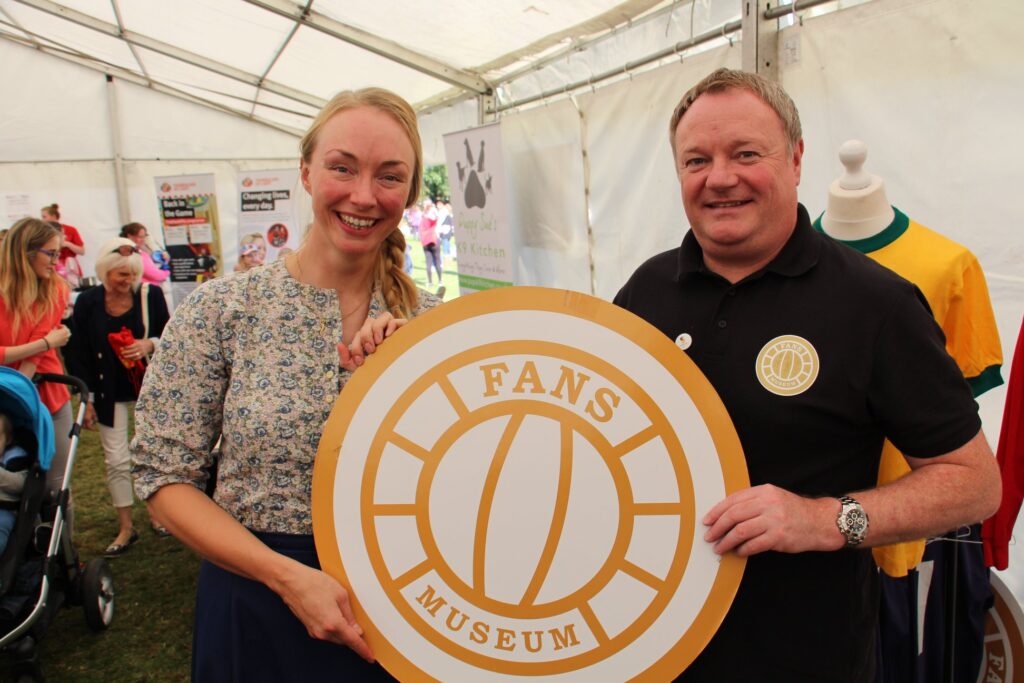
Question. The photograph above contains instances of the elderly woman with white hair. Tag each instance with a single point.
(117, 324)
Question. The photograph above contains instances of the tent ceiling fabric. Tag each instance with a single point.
(277, 61)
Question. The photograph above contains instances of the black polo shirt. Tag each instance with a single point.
(817, 357)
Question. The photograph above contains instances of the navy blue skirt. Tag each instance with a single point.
(245, 633)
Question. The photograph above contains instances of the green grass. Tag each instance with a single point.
(150, 638)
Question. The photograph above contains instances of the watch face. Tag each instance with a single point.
(854, 524)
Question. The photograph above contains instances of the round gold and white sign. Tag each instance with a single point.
(512, 485)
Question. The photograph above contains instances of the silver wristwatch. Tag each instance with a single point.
(852, 521)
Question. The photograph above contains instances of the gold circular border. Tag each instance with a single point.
(641, 333)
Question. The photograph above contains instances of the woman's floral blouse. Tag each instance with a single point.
(253, 357)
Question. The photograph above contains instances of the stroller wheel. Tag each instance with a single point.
(98, 594)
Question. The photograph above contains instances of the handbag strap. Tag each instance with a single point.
(144, 294)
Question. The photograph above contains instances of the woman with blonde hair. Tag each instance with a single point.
(32, 300)
(117, 325)
(260, 357)
(252, 252)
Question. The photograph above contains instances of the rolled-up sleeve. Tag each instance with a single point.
(180, 408)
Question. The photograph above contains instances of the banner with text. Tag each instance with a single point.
(269, 214)
(476, 173)
(188, 216)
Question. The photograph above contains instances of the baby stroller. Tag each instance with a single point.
(39, 570)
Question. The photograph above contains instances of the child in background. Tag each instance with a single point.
(252, 252)
(15, 461)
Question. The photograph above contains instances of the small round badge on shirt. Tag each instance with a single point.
(684, 341)
(787, 365)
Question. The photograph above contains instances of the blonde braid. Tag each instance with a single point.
(399, 290)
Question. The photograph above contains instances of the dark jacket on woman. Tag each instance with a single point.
(89, 354)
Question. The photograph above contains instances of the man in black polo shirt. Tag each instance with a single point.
(818, 354)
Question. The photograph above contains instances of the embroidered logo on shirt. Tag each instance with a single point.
(503, 504)
(787, 365)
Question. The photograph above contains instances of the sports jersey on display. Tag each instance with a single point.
(913, 615)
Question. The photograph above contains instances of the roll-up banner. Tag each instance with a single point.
(188, 216)
(268, 213)
(476, 176)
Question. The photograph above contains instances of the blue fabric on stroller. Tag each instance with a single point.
(19, 400)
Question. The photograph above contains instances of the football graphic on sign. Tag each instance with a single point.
(512, 486)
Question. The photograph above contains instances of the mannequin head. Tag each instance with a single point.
(857, 205)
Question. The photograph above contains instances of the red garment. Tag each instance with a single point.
(70, 235)
(997, 529)
(53, 395)
(136, 368)
(428, 227)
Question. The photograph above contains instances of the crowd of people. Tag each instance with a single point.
(254, 360)
(105, 338)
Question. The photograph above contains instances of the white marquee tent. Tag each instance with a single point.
(100, 96)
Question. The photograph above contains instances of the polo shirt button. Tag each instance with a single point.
(722, 323)
(329, 374)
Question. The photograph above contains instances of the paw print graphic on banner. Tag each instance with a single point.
(474, 193)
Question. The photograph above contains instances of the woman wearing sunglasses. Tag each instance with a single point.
(117, 325)
(32, 300)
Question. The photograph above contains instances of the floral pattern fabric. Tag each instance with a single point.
(252, 357)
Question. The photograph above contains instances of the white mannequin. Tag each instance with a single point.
(857, 205)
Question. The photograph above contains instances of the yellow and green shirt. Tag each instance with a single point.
(952, 281)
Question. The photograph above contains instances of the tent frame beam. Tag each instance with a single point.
(760, 40)
(132, 77)
(375, 44)
(173, 52)
(714, 34)
(121, 186)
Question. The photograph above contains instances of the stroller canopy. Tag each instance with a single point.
(19, 400)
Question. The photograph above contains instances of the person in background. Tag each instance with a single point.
(413, 216)
(117, 325)
(258, 358)
(252, 252)
(33, 298)
(248, 257)
(72, 247)
(431, 245)
(446, 227)
(152, 273)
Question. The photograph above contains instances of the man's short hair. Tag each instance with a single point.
(720, 80)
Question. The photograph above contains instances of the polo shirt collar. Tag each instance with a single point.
(799, 254)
